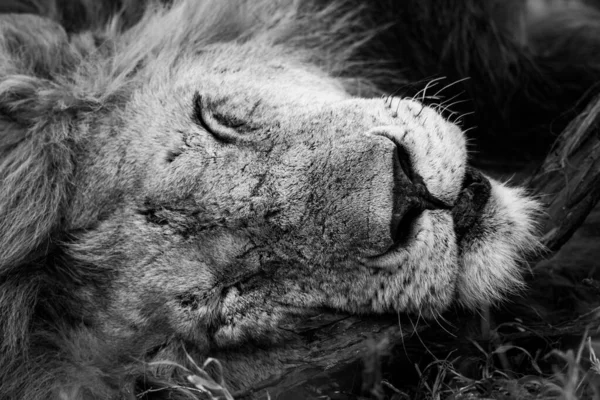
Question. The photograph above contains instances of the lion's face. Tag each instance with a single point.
(239, 187)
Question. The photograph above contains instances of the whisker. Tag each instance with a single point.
(458, 120)
(432, 83)
(451, 84)
(429, 84)
(402, 337)
(435, 318)
(452, 98)
(447, 106)
(421, 110)
(415, 332)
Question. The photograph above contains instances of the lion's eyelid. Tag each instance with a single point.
(210, 124)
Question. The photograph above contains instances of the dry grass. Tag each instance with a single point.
(509, 360)
(505, 370)
(202, 384)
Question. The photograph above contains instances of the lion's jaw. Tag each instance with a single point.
(263, 189)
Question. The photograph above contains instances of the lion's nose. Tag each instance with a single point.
(410, 184)
(410, 196)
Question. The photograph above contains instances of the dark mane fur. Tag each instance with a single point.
(520, 93)
(513, 76)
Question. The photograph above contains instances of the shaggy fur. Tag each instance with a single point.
(188, 177)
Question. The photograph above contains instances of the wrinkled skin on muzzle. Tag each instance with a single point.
(264, 190)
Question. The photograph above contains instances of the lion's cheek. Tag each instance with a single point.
(419, 276)
(338, 197)
(252, 315)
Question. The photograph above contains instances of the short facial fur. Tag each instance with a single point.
(201, 183)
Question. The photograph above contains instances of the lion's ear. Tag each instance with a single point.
(36, 143)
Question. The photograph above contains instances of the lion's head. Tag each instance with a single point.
(203, 176)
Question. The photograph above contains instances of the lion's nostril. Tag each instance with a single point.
(423, 198)
(403, 224)
(404, 160)
(411, 197)
(409, 208)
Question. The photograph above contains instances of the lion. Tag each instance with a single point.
(212, 172)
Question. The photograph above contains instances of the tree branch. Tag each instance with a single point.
(569, 179)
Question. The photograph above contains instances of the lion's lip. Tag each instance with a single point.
(471, 202)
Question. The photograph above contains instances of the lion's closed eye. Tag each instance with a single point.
(224, 129)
